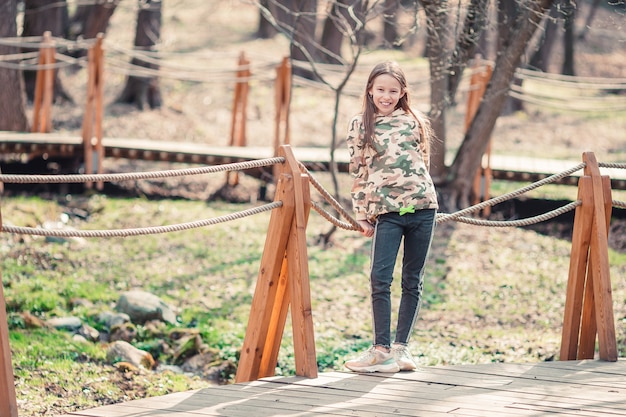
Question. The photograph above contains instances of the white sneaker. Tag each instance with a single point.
(373, 360)
(403, 357)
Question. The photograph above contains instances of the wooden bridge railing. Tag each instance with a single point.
(283, 284)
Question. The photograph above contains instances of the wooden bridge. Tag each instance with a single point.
(570, 388)
(52, 145)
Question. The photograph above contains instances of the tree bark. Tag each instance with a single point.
(343, 21)
(508, 12)
(569, 38)
(467, 42)
(12, 94)
(144, 90)
(90, 20)
(303, 47)
(469, 155)
(266, 29)
(438, 56)
(541, 58)
(390, 23)
(40, 17)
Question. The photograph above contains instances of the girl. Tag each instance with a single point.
(393, 197)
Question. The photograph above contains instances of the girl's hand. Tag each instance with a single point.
(368, 229)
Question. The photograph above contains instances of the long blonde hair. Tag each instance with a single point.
(369, 108)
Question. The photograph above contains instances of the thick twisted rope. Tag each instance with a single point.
(612, 165)
(74, 178)
(352, 223)
(144, 230)
(493, 201)
(522, 222)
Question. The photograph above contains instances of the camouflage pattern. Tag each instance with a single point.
(392, 174)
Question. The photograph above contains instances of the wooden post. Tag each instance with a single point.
(93, 111)
(239, 115)
(44, 87)
(589, 303)
(282, 99)
(481, 74)
(8, 401)
(283, 281)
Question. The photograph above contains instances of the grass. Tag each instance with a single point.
(491, 294)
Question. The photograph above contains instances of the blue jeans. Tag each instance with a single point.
(417, 230)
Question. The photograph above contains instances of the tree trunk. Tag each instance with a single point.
(436, 45)
(474, 144)
(467, 42)
(569, 38)
(541, 58)
(302, 36)
(343, 21)
(40, 18)
(144, 91)
(390, 24)
(266, 29)
(92, 19)
(12, 95)
(508, 12)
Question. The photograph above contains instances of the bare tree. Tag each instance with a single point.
(12, 94)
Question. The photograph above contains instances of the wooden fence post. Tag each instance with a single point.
(283, 282)
(239, 115)
(8, 400)
(589, 302)
(93, 112)
(282, 99)
(481, 74)
(44, 87)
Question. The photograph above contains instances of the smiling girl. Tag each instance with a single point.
(394, 200)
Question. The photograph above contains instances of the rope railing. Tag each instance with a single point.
(79, 178)
(64, 233)
(265, 71)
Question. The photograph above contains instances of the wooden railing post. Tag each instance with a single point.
(44, 87)
(589, 302)
(282, 99)
(239, 115)
(478, 84)
(8, 401)
(92, 120)
(283, 282)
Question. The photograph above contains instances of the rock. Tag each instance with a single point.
(31, 321)
(65, 323)
(112, 319)
(126, 332)
(89, 333)
(208, 366)
(142, 306)
(121, 351)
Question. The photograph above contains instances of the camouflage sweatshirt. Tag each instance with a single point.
(392, 174)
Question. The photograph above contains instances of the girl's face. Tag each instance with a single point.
(386, 91)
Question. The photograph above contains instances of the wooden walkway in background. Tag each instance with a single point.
(565, 388)
(510, 168)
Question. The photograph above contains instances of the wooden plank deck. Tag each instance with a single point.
(511, 168)
(569, 388)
